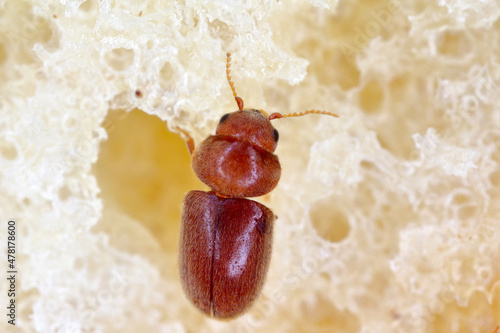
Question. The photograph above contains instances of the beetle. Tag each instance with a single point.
(226, 240)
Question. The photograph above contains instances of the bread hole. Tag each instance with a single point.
(64, 193)
(120, 58)
(166, 72)
(87, 6)
(8, 150)
(371, 96)
(453, 44)
(329, 220)
(146, 171)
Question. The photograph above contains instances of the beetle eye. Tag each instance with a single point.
(276, 135)
(223, 118)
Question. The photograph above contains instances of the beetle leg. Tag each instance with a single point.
(189, 140)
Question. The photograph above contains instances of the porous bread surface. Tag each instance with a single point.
(389, 216)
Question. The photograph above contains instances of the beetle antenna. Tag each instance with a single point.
(277, 115)
(239, 101)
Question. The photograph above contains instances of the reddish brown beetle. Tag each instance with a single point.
(225, 244)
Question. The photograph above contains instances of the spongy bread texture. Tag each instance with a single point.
(389, 216)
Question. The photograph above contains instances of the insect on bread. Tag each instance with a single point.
(226, 240)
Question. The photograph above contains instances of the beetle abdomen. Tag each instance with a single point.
(225, 252)
(235, 168)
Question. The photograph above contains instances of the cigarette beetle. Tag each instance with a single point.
(225, 241)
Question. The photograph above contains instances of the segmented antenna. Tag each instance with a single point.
(239, 101)
(277, 115)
